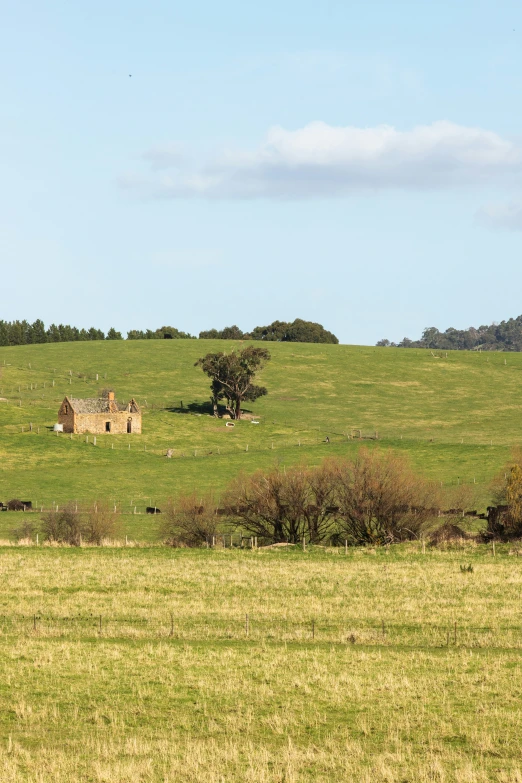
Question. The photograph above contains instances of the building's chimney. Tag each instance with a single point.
(111, 396)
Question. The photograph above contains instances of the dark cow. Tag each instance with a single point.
(153, 510)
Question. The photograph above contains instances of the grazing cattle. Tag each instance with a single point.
(153, 510)
(27, 503)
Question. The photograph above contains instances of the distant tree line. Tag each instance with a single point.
(25, 333)
(298, 331)
(505, 336)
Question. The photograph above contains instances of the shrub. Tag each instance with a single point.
(100, 522)
(381, 499)
(15, 505)
(285, 505)
(505, 521)
(64, 527)
(191, 521)
(24, 531)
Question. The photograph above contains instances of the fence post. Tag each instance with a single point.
(304, 544)
(345, 546)
(246, 625)
(171, 624)
(313, 629)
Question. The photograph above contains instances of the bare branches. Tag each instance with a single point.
(381, 499)
(191, 521)
(373, 499)
(284, 505)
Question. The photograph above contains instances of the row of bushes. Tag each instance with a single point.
(70, 525)
(375, 498)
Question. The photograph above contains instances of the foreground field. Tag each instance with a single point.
(457, 416)
(141, 664)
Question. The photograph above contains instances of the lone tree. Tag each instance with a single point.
(232, 377)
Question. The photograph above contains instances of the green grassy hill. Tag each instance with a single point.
(456, 415)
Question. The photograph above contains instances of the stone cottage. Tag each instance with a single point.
(101, 415)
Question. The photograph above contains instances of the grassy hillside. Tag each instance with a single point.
(456, 415)
(379, 666)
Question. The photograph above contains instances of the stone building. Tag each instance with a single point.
(101, 415)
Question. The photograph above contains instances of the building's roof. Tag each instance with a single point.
(102, 405)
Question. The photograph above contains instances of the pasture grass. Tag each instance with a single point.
(386, 665)
(457, 416)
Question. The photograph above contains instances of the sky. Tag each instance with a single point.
(205, 164)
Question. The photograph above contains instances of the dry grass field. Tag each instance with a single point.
(140, 664)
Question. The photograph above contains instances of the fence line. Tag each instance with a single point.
(239, 627)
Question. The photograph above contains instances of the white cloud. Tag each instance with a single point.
(322, 160)
(166, 156)
(504, 216)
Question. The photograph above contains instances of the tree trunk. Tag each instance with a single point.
(237, 411)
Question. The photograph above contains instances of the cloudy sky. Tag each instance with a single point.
(202, 164)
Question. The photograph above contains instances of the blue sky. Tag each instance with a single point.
(203, 164)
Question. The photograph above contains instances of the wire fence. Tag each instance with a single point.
(249, 626)
(310, 438)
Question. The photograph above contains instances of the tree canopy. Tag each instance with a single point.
(169, 332)
(232, 376)
(505, 336)
(298, 331)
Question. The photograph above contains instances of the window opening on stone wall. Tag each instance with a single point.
(107, 426)
(129, 425)
(66, 410)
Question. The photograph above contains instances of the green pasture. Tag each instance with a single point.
(183, 666)
(456, 415)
